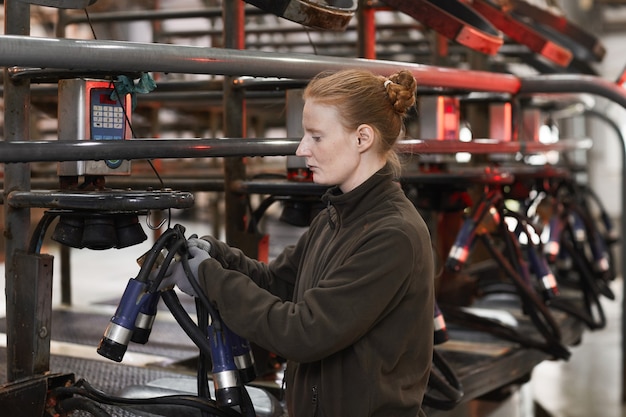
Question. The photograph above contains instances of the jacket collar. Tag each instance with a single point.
(356, 203)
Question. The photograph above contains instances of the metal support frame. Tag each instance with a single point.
(32, 275)
(129, 57)
(17, 177)
(234, 125)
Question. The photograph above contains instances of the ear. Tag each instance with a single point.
(365, 137)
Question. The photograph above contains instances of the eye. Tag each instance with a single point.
(316, 138)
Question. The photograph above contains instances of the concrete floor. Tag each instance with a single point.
(588, 385)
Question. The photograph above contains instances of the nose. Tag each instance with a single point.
(303, 149)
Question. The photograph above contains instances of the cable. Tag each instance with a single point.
(93, 31)
(39, 233)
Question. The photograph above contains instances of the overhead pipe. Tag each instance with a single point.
(163, 14)
(103, 55)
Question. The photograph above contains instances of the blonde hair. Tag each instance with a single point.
(365, 98)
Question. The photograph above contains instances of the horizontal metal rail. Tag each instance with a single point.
(571, 84)
(50, 151)
(138, 15)
(108, 200)
(80, 150)
(100, 55)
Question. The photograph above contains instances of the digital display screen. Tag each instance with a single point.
(106, 99)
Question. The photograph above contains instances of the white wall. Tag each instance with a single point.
(605, 164)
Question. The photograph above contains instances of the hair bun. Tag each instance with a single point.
(401, 91)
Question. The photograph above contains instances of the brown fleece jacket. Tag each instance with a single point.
(350, 305)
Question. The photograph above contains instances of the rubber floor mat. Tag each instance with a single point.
(166, 339)
(109, 377)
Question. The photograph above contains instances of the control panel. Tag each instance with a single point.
(88, 110)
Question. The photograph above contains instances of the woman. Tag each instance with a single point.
(350, 306)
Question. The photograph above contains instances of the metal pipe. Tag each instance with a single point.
(134, 182)
(24, 320)
(134, 56)
(137, 15)
(52, 151)
(570, 83)
(279, 30)
(234, 109)
(366, 44)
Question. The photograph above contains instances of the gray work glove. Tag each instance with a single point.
(205, 245)
(176, 275)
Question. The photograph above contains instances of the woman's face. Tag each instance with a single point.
(330, 152)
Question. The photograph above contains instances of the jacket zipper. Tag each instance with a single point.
(314, 399)
(326, 253)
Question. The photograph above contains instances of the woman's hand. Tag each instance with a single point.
(176, 274)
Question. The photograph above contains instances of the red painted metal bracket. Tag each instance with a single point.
(454, 20)
(522, 33)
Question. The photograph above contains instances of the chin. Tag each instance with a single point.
(319, 180)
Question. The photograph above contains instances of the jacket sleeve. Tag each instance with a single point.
(340, 310)
(278, 277)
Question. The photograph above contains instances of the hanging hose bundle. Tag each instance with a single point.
(491, 209)
(533, 306)
(547, 283)
(229, 354)
(577, 249)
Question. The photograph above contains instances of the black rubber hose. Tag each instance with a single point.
(72, 404)
(534, 307)
(200, 294)
(246, 406)
(83, 388)
(443, 380)
(589, 287)
(547, 326)
(573, 310)
(592, 231)
(40, 231)
(203, 358)
(153, 254)
(494, 327)
(185, 322)
(173, 249)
